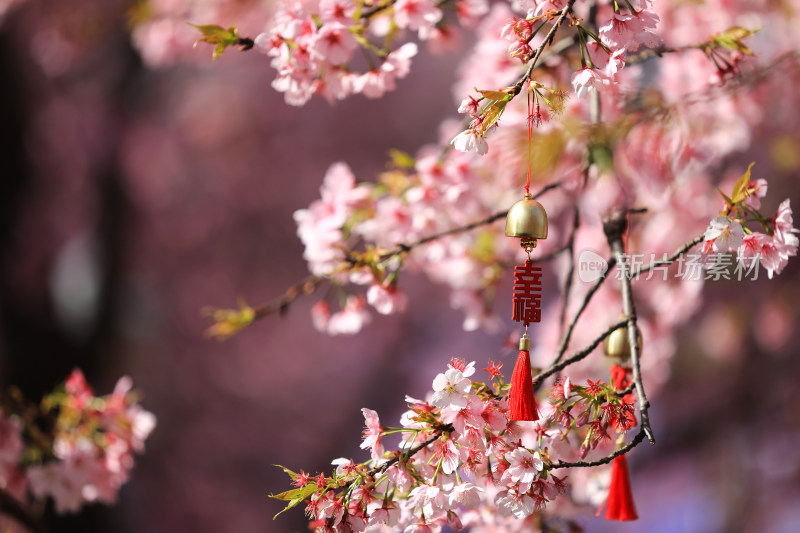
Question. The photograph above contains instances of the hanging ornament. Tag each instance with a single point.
(526, 220)
(617, 343)
(619, 505)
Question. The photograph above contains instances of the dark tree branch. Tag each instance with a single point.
(310, 283)
(570, 247)
(405, 248)
(586, 299)
(384, 466)
(547, 40)
(614, 229)
(605, 460)
(558, 366)
(680, 251)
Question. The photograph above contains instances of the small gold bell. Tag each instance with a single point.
(617, 345)
(527, 219)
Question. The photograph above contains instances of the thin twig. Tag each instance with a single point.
(659, 51)
(576, 220)
(679, 252)
(306, 286)
(627, 390)
(309, 284)
(548, 39)
(605, 460)
(384, 466)
(556, 367)
(407, 247)
(614, 229)
(568, 335)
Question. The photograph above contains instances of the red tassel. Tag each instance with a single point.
(619, 505)
(521, 399)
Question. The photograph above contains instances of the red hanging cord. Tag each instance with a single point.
(530, 140)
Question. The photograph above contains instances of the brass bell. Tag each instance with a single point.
(617, 345)
(527, 219)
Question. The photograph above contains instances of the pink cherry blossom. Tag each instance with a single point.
(400, 477)
(750, 248)
(333, 43)
(467, 370)
(755, 191)
(419, 15)
(450, 389)
(467, 495)
(336, 11)
(469, 106)
(516, 503)
(524, 467)
(725, 233)
(386, 301)
(351, 319)
(774, 256)
(429, 499)
(470, 414)
(447, 453)
(630, 31)
(372, 434)
(470, 141)
(587, 79)
(419, 527)
(320, 316)
(387, 513)
(784, 225)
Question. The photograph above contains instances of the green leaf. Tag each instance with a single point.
(741, 186)
(494, 95)
(228, 322)
(401, 159)
(291, 474)
(300, 492)
(294, 496)
(732, 39)
(220, 37)
(726, 197)
(492, 114)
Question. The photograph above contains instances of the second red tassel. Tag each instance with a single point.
(619, 505)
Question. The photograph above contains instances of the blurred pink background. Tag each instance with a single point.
(133, 198)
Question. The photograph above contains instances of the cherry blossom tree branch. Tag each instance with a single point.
(749, 79)
(245, 43)
(586, 299)
(381, 468)
(659, 51)
(561, 365)
(13, 508)
(232, 322)
(403, 248)
(548, 39)
(627, 390)
(605, 460)
(679, 252)
(614, 228)
(570, 247)
(281, 305)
